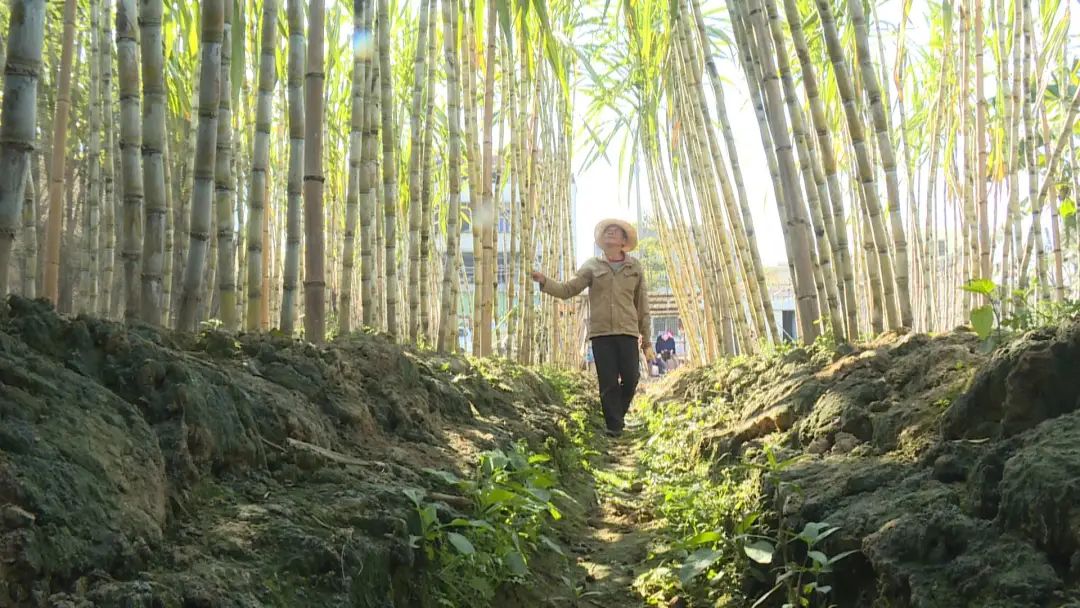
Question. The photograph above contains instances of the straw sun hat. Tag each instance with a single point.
(631, 232)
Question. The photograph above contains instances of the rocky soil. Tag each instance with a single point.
(141, 468)
(953, 474)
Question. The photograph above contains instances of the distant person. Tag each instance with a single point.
(619, 323)
(665, 349)
(665, 342)
(656, 363)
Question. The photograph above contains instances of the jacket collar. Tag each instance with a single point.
(629, 262)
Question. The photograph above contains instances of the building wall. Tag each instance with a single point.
(784, 317)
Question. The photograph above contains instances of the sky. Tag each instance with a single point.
(601, 193)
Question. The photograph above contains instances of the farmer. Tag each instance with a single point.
(619, 322)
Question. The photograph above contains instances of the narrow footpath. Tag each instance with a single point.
(620, 527)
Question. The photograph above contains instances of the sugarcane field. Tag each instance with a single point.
(539, 304)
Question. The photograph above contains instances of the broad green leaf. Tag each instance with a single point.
(192, 31)
(170, 42)
(746, 523)
(982, 321)
(498, 496)
(494, 461)
(415, 494)
(516, 563)
(771, 456)
(517, 461)
(698, 562)
(814, 532)
(840, 556)
(554, 546)
(540, 494)
(760, 551)
(704, 538)
(461, 543)
(818, 557)
(483, 524)
(984, 287)
(428, 515)
(542, 479)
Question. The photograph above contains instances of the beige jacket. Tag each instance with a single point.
(618, 301)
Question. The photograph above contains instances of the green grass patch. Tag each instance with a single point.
(706, 508)
(502, 522)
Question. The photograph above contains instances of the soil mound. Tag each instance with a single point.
(953, 475)
(146, 468)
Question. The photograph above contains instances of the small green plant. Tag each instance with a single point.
(985, 317)
(801, 577)
(576, 593)
(495, 371)
(511, 496)
(704, 506)
(775, 351)
(1014, 312)
(706, 563)
(826, 340)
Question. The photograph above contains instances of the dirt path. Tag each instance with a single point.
(620, 530)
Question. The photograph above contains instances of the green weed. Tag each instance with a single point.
(1006, 313)
(512, 498)
(717, 521)
(803, 563)
(705, 508)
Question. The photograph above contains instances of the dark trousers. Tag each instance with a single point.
(616, 359)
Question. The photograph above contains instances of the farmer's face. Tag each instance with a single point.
(614, 236)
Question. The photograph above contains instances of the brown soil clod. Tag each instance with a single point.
(140, 467)
(954, 474)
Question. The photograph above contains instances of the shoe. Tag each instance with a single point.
(613, 432)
